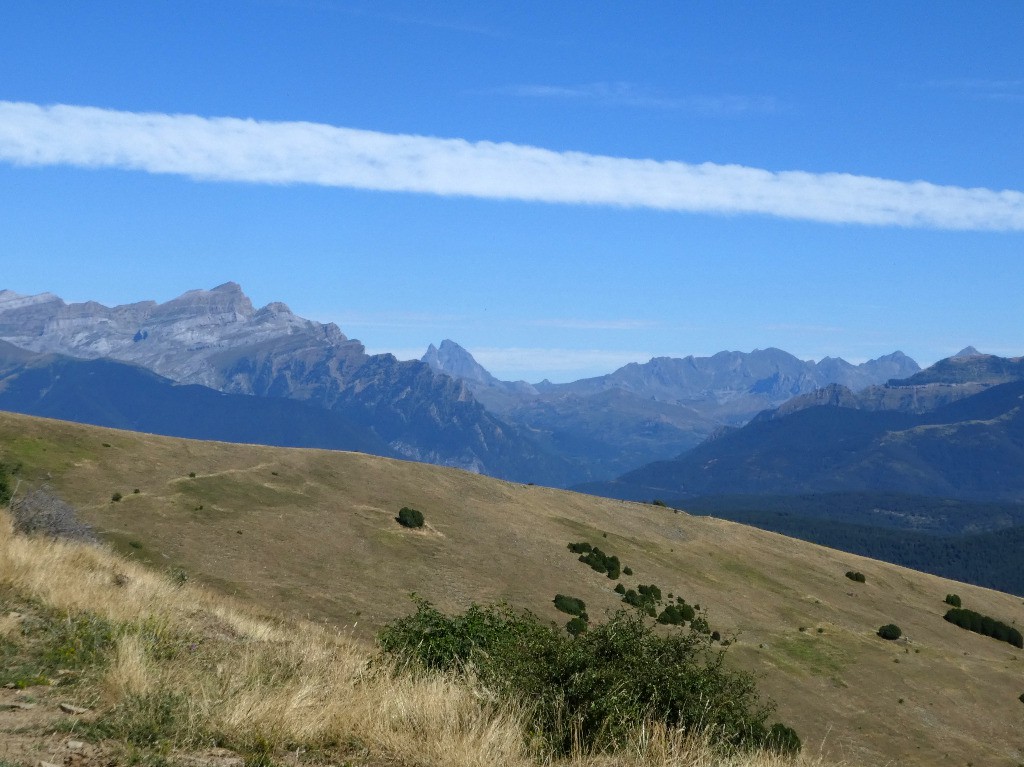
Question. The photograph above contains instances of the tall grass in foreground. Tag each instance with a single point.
(175, 668)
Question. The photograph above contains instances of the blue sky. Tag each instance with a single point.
(560, 188)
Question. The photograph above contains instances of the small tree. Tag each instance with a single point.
(954, 600)
(890, 631)
(410, 517)
(576, 626)
(567, 604)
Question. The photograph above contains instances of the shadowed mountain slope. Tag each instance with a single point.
(107, 393)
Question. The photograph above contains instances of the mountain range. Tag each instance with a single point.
(444, 409)
(655, 410)
(955, 430)
(925, 471)
(217, 339)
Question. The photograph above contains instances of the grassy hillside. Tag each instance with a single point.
(313, 534)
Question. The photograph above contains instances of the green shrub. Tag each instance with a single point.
(576, 626)
(953, 599)
(658, 502)
(890, 631)
(597, 687)
(627, 570)
(652, 591)
(5, 484)
(116, 497)
(620, 589)
(854, 576)
(700, 625)
(783, 739)
(982, 624)
(580, 548)
(672, 616)
(602, 563)
(570, 605)
(1021, 698)
(642, 603)
(410, 517)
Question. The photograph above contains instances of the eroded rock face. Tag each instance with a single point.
(190, 339)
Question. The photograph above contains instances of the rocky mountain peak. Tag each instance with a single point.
(11, 300)
(221, 302)
(966, 352)
(452, 359)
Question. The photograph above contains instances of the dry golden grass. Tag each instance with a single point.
(306, 533)
(267, 687)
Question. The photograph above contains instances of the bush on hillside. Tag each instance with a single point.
(783, 739)
(671, 616)
(570, 605)
(5, 484)
(953, 599)
(595, 688)
(620, 589)
(652, 592)
(984, 625)
(642, 603)
(410, 517)
(890, 631)
(580, 548)
(576, 626)
(700, 624)
(602, 563)
(855, 576)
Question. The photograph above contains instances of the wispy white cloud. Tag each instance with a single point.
(632, 95)
(231, 149)
(982, 88)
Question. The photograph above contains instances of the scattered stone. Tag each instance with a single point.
(17, 706)
(49, 764)
(67, 708)
(75, 745)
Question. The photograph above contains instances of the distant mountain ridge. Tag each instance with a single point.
(446, 408)
(651, 411)
(217, 338)
(932, 434)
